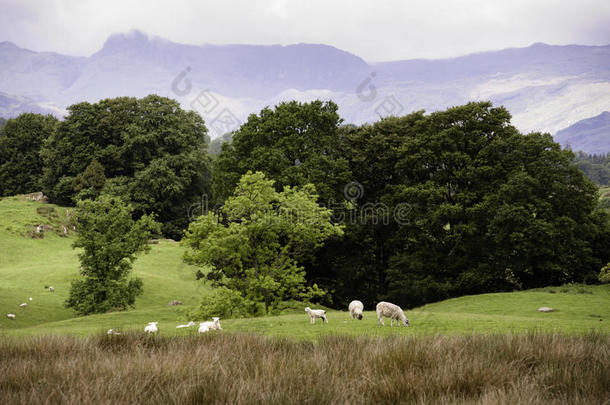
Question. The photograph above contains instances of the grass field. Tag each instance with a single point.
(254, 369)
(29, 264)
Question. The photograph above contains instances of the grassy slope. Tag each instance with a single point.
(27, 265)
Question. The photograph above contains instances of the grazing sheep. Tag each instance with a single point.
(30, 298)
(151, 327)
(316, 313)
(210, 325)
(51, 289)
(10, 316)
(391, 311)
(355, 309)
(191, 323)
(23, 305)
(113, 332)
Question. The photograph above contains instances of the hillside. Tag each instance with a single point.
(591, 135)
(546, 87)
(30, 262)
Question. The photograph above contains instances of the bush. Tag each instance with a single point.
(224, 303)
(604, 274)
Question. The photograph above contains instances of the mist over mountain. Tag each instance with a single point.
(546, 88)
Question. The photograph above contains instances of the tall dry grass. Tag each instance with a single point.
(235, 368)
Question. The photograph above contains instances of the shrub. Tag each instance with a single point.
(604, 274)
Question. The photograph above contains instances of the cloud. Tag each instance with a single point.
(375, 30)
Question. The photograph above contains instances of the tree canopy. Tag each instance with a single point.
(153, 155)
(472, 206)
(21, 139)
(294, 144)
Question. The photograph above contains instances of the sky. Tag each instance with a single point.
(376, 30)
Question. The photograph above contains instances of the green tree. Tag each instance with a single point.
(490, 209)
(154, 156)
(2, 122)
(254, 245)
(293, 144)
(110, 240)
(89, 184)
(21, 139)
(474, 206)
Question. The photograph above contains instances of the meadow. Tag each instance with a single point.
(488, 349)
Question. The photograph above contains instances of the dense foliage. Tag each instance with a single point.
(150, 151)
(254, 245)
(20, 141)
(445, 204)
(294, 144)
(595, 167)
(110, 240)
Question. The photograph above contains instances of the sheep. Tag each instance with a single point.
(391, 311)
(30, 298)
(355, 309)
(191, 323)
(23, 305)
(51, 289)
(210, 325)
(151, 327)
(10, 316)
(316, 313)
(113, 332)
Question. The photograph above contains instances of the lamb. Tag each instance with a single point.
(191, 323)
(210, 325)
(355, 309)
(391, 311)
(51, 289)
(10, 316)
(23, 305)
(316, 313)
(151, 327)
(113, 332)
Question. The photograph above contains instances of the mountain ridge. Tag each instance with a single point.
(545, 87)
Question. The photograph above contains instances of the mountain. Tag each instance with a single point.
(546, 87)
(591, 135)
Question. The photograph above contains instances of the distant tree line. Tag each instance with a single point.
(596, 167)
(431, 205)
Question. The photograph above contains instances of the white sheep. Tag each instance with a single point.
(113, 332)
(191, 323)
(151, 327)
(316, 313)
(355, 309)
(23, 305)
(210, 325)
(391, 311)
(51, 289)
(30, 298)
(10, 316)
